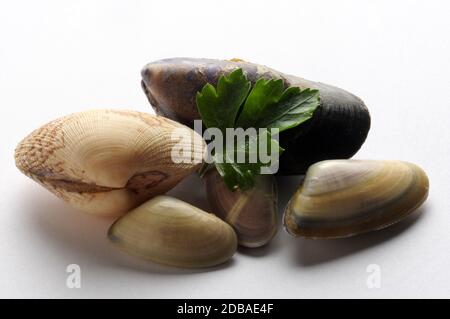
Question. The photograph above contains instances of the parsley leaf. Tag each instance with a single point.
(270, 105)
(263, 94)
(237, 174)
(235, 104)
(219, 108)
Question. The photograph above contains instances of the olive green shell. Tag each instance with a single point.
(337, 130)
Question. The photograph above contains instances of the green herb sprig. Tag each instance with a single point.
(268, 104)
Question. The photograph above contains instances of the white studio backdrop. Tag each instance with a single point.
(59, 57)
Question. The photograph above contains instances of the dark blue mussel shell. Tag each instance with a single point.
(337, 130)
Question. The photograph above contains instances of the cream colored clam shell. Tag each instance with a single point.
(169, 231)
(341, 198)
(106, 162)
(252, 214)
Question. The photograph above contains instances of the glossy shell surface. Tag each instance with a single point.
(169, 231)
(252, 213)
(341, 198)
(336, 131)
(106, 162)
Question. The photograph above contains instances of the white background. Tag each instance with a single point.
(59, 57)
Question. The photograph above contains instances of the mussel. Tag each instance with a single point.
(252, 213)
(337, 130)
(106, 162)
(341, 198)
(169, 231)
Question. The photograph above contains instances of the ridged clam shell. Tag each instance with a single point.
(337, 130)
(341, 198)
(169, 231)
(106, 162)
(252, 213)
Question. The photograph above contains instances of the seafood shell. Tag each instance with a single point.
(169, 231)
(106, 162)
(337, 129)
(252, 213)
(341, 198)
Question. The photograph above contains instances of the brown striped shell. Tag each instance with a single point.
(252, 213)
(107, 162)
(341, 198)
